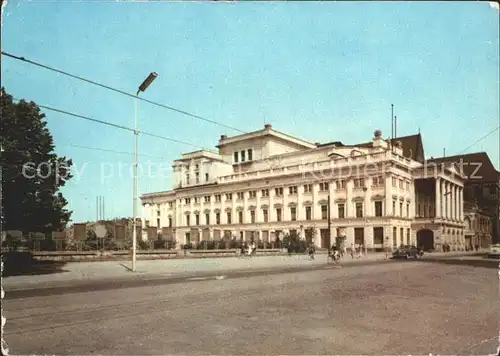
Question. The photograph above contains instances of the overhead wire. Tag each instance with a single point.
(113, 151)
(479, 140)
(122, 127)
(168, 107)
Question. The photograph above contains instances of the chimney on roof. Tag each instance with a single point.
(268, 126)
(317, 143)
(223, 137)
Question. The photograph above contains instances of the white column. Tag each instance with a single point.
(455, 203)
(317, 241)
(223, 215)
(258, 235)
(286, 209)
(349, 210)
(246, 213)
(258, 210)
(388, 196)
(438, 198)
(368, 201)
(301, 210)
(461, 204)
(270, 210)
(442, 202)
(448, 200)
(316, 209)
(212, 214)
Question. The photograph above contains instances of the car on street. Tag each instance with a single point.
(406, 251)
(494, 251)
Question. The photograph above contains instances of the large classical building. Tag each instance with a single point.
(265, 184)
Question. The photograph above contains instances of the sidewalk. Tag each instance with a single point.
(92, 271)
(95, 271)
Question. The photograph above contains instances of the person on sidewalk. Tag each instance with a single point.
(311, 251)
(361, 248)
(353, 251)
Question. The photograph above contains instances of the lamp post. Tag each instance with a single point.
(366, 220)
(329, 216)
(145, 84)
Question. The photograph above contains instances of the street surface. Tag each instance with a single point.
(395, 307)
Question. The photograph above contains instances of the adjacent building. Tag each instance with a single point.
(266, 184)
(478, 227)
(481, 189)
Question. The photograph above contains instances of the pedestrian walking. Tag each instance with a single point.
(311, 251)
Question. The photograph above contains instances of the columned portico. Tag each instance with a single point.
(438, 198)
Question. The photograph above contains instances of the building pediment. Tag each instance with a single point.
(264, 206)
(187, 212)
(216, 211)
(196, 212)
(292, 205)
(358, 199)
(323, 202)
(251, 207)
(206, 211)
(378, 197)
(401, 198)
(228, 210)
(340, 201)
(278, 205)
(335, 155)
(239, 208)
(307, 203)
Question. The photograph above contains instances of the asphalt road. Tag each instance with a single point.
(407, 307)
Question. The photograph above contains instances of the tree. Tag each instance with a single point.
(32, 173)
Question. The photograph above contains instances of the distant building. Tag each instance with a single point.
(482, 186)
(265, 184)
(478, 226)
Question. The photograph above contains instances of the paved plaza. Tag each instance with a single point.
(402, 307)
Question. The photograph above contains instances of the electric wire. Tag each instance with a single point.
(479, 140)
(112, 151)
(180, 111)
(122, 127)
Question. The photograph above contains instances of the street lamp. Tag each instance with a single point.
(366, 220)
(145, 84)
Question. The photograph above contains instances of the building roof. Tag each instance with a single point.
(267, 131)
(476, 166)
(412, 146)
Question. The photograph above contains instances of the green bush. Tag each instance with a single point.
(294, 244)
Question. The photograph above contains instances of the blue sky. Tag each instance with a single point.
(320, 71)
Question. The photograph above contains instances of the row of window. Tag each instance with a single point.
(341, 213)
(240, 156)
(197, 177)
(378, 205)
(292, 190)
(402, 183)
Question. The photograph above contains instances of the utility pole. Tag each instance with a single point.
(145, 84)
(366, 221)
(329, 221)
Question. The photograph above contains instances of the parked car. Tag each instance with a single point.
(407, 252)
(494, 251)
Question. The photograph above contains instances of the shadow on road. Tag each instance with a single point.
(23, 263)
(483, 262)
